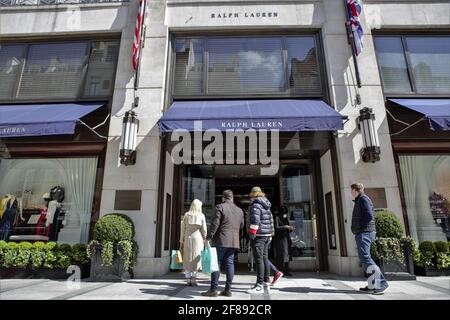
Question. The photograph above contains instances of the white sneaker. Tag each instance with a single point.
(266, 287)
(256, 289)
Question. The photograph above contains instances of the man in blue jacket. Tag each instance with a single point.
(363, 227)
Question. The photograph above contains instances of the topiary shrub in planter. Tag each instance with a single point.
(113, 251)
(434, 259)
(81, 259)
(392, 251)
(388, 225)
(442, 255)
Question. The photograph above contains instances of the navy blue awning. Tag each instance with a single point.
(283, 115)
(437, 111)
(42, 119)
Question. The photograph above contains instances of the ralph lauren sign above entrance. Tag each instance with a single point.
(267, 124)
(236, 15)
(224, 115)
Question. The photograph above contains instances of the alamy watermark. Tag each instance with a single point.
(231, 146)
(73, 282)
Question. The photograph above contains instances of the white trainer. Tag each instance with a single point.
(256, 289)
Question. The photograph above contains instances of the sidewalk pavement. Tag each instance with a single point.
(303, 286)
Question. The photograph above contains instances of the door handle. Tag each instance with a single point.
(314, 223)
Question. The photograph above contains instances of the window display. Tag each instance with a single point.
(427, 193)
(46, 199)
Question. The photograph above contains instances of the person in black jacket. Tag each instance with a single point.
(260, 233)
(283, 240)
(363, 227)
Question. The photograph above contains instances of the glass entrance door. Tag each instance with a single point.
(298, 198)
(199, 184)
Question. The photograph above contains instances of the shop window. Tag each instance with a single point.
(55, 69)
(430, 63)
(240, 65)
(427, 195)
(101, 70)
(10, 63)
(46, 199)
(243, 66)
(392, 61)
(189, 66)
(414, 64)
(58, 70)
(303, 69)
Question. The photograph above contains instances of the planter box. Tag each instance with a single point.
(394, 270)
(115, 272)
(431, 271)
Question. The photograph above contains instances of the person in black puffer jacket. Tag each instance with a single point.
(260, 233)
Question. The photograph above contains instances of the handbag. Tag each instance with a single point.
(209, 260)
(179, 257)
(174, 265)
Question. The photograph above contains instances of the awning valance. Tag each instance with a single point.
(437, 111)
(283, 115)
(42, 119)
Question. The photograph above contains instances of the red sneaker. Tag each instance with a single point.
(278, 275)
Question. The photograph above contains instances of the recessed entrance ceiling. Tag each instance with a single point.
(238, 171)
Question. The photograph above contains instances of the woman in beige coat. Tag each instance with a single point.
(193, 234)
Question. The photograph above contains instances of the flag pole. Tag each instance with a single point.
(351, 42)
(141, 45)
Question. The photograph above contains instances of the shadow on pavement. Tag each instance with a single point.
(315, 290)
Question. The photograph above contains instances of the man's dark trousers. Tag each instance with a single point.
(224, 255)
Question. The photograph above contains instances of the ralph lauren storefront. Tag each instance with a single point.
(263, 90)
(415, 71)
(55, 105)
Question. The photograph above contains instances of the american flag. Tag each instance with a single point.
(354, 10)
(138, 32)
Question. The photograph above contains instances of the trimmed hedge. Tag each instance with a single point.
(441, 246)
(41, 255)
(434, 254)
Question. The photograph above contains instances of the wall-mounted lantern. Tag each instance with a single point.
(128, 141)
(366, 123)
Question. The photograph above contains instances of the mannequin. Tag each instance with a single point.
(8, 208)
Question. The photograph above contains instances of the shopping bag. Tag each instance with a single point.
(209, 260)
(174, 265)
(179, 258)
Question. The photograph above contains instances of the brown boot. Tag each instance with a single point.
(210, 293)
(194, 282)
(226, 293)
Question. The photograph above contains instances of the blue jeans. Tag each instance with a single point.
(272, 267)
(363, 243)
(227, 255)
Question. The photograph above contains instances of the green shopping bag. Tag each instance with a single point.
(209, 260)
(174, 265)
